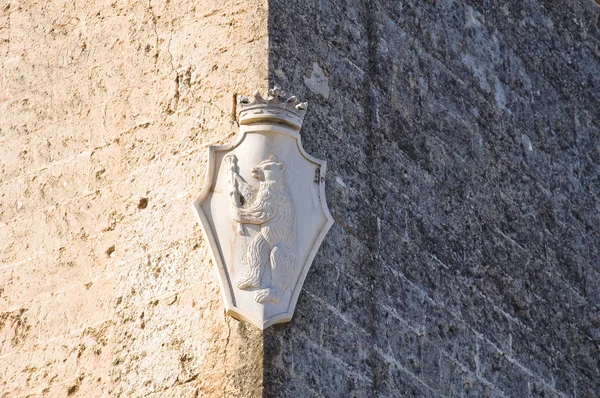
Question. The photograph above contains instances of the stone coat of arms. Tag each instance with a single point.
(263, 210)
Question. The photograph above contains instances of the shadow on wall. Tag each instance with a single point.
(462, 148)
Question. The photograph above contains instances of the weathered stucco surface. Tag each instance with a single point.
(464, 177)
(106, 111)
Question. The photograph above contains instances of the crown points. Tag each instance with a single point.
(275, 92)
(274, 109)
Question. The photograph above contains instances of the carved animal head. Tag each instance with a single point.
(269, 170)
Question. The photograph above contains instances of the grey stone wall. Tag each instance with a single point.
(463, 141)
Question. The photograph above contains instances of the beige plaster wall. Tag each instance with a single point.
(106, 111)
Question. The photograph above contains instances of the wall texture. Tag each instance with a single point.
(464, 177)
(106, 110)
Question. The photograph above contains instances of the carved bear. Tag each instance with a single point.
(272, 209)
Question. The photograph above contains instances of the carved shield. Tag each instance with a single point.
(263, 211)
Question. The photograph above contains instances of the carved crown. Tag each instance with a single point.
(273, 109)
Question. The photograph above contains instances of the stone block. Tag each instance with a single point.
(398, 339)
(495, 366)
(451, 335)
(456, 381)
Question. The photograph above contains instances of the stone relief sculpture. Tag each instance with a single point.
(263, 210)
(270, 207)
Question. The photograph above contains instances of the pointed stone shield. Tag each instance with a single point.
(263, 210)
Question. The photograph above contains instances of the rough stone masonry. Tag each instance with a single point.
(463, 141)
(463, 148)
